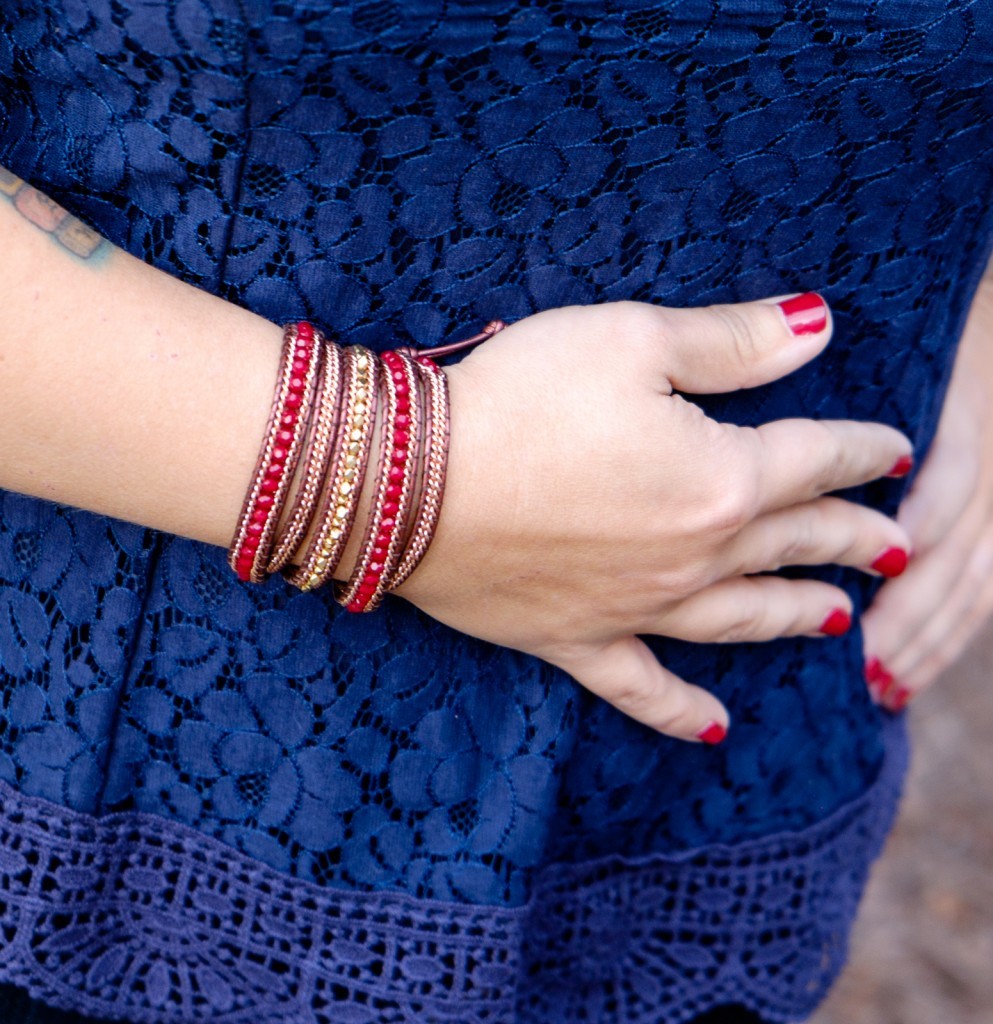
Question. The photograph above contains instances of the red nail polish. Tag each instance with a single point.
(837, 623)
(891, 562)
(805, 314)
(898, 701)
(902, 466)
(713, 734)
(874, 670)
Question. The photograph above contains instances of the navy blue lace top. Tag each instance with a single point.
(223, 803)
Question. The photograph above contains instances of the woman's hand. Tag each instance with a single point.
(920, 624)
(588, 503)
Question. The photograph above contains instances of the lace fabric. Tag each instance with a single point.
(396, 171)
(130, 915)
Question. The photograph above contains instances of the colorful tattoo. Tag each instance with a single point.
(70, 232)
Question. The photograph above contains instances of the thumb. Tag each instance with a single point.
(626, 674)
(713, 349)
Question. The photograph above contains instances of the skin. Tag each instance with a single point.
(586, 501)
(921, 623)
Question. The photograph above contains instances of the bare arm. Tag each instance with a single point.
(122, 389)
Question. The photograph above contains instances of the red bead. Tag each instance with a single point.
(289, 418)
(374, 570)
(304, 329)
(399, 457)
(274, 472)
(279, 455)
(269, 485)
(386, 525)
(284, 436)
(383, 540)
(264, 501)
(356, 606)
(394, 491)
(401, 438)
(403, 404)
(390, 508)
(299, 366)
(293, 399)
(399, 376)
(379, 553)
(255, 529)
(260, 515)
(250, 544)
(296, 383)
(402, 421)
(402, 390)
(390, 357)
(396, 473)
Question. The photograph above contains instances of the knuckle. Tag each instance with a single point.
(685, 580)
(640, 323)
(747, 623)
(675, 713)
(746, 339)
(733, 506)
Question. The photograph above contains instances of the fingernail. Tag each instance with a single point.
(713, 734)
(891, 562)
(898, 700)
(805, 314)
(879, 680)
(902, 466)
(837, 623)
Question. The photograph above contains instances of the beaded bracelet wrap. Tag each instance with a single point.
(382, 544)
(327, 404)
(347, 473)
(318, 454)
(299, 367)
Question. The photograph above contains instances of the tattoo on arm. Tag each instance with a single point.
(70, 232)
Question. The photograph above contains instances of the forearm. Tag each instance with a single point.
(122, 389)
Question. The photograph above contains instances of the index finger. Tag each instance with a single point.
(797, 460)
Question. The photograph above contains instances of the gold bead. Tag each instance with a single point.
(335, 534)
(355, 435)
(361, 395)
(345, 489)
(351, 461)
(340, 512)
(321, 564)
(349, 474)
(363, 362)
(353, 449)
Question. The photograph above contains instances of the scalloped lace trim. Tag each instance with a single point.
(134, 916)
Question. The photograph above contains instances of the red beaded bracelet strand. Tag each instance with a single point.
(323, 425)
(299, 361)
(436, 431)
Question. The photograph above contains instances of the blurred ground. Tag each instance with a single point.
(923, 947)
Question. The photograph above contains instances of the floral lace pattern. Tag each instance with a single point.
(131, 915)
(406, 170)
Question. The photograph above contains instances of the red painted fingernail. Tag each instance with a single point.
(837, 623)
(898, 700)
(874, 670)
(891, 562)
(902, 466)
(713, 734)
(805, 314)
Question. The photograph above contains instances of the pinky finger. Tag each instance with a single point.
(750, 608)
(626, 674)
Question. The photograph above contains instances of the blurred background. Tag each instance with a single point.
(923, 948)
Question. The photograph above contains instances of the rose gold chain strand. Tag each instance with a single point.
(402, 471)
(437, 431)
(354, 595)
(345, 477)
(318, 453)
